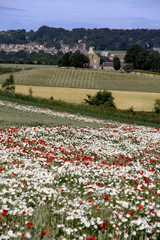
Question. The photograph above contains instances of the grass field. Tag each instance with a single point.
(11, 115)
(89, 180)
(117, 53)
(87, 79)
(140, 101)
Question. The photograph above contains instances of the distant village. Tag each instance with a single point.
(40, 48)
(65, 48)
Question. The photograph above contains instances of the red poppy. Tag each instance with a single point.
(90, 238)
(141, 207)
(30, 224)
(4, 212)
(106, 197)
(43, 233)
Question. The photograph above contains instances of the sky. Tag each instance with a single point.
(69, 14)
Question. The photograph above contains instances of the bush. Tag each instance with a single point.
(8, 85)
(128, 67)
(102, 98)
(157, 106)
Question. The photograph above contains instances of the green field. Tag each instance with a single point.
(117, 53)
(87, 79)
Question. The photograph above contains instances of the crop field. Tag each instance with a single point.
(89, 180)
(87, 79)
(140, 101)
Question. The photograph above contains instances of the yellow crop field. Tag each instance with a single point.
(140, 101)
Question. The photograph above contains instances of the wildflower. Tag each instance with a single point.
(43, 233)
(106, 197)
(4, 212)
(90, 238)
(141, 207)
(30, 224)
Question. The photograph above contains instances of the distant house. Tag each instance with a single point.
(94, 60)
(108, 66)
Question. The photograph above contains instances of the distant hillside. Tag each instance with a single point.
(101, 39)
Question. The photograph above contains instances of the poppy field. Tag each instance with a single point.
(64, 182)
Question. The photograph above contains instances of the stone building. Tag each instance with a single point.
(94, 60)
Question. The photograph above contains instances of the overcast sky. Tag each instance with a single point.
(69, 14)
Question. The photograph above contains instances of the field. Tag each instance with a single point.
(117, 53)
(140, 101)
(64, 177)
(87, 79)
(73, 85)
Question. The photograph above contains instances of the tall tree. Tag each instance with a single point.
(116, 63)
(131, 54)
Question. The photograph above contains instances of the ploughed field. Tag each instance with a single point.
(78, 178)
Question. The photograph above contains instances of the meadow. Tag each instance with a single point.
(66, 176)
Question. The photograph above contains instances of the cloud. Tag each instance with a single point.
(2, 8)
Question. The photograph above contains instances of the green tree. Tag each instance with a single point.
(143, 60)
(116, 63)
(79, 60)
(156, 64)
(8, 85)
(131, 54)
(65, 60)
(76, 59)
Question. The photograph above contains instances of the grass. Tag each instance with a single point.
(117, 53)
(87, 79)
(128, 116)
(14, 117)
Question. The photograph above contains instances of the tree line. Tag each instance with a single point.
(101, 39)
(23, 57)
(69, 59)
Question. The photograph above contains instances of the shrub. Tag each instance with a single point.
(131, 110)
(157, 106)
(8, 85)
(128, 67)
(102, 98)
